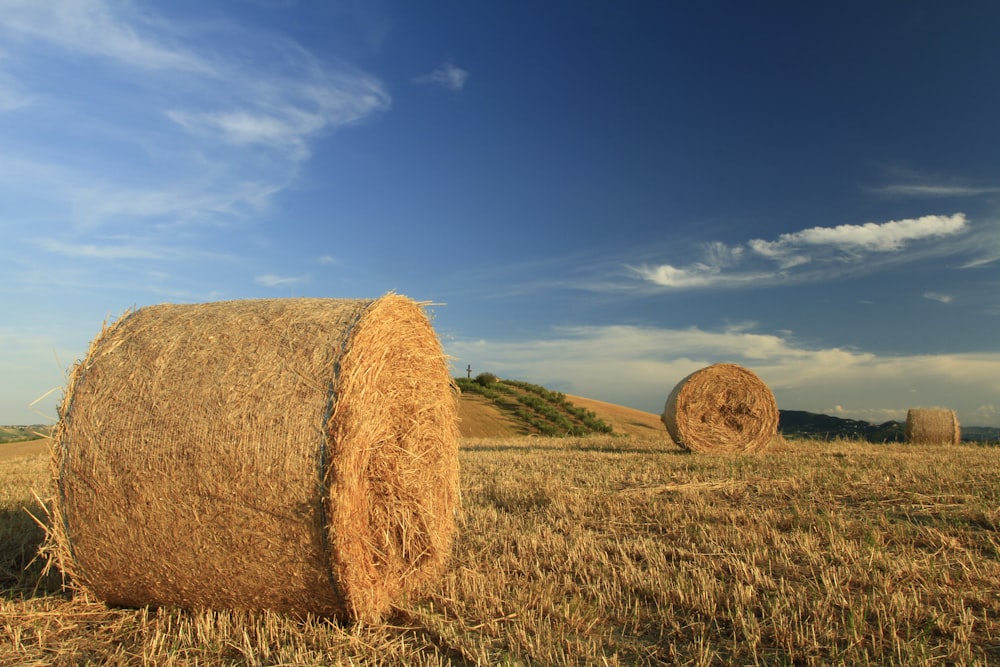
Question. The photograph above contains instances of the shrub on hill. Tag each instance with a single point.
(540, 410)
(486, 379)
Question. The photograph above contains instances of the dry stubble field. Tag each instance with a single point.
(613, 551)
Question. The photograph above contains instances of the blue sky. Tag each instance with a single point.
(606, 196)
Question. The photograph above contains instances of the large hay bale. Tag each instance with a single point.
(722, 408)
(932, 426)
(299, 455)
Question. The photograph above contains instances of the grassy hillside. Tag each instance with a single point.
(480, 417)
(529, 409)
(20, 433)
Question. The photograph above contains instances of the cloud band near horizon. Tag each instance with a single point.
(639, 366)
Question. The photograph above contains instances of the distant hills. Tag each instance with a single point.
(981, 434)
(809, 425)
(23, 433)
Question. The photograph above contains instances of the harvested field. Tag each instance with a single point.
(620, 551)
(16, 450)
(479, 418)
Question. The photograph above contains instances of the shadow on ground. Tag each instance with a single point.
(22, 567)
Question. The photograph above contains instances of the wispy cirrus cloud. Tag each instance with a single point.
(908, 184)
(126, 248)
(446, 75)
(134, 102)
(105, 251)
(917, 190)
(118, 32)
(811, 254)
(283, 113)
(272, 280)
(12, 95)
(148, 140)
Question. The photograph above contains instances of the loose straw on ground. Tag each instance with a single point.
(722, 408)
(299, 455)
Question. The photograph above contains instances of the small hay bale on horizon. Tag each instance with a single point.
(932, 426)
(296, 455)
(723, 408)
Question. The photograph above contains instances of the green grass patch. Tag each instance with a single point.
(23, 433)
(540, 411)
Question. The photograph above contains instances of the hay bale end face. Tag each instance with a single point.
(932, 426)
(723, 409)
(298, 455)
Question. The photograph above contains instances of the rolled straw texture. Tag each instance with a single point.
(722, 408)
(298, 455)
(932, 426)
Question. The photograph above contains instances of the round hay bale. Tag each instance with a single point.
(298, 455)
(932, 426)
(721, 409)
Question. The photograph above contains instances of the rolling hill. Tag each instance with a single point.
(481, 418)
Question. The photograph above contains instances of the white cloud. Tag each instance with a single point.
(811, 254)
(243, 127)
(702, 275)
(271, 280)
(95, 251)
(447, 75)
(717, 257)
(699, 275)
(937, 296)
(871, 236)
(720, 256)
(778, 253)
(639, 366)
(929, 190)
(126, 248)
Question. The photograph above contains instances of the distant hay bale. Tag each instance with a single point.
(932, 426)
(722, 408)
(298, 455)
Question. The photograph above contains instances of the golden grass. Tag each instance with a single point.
(624, 420)
(622, 551)
(479, 417)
